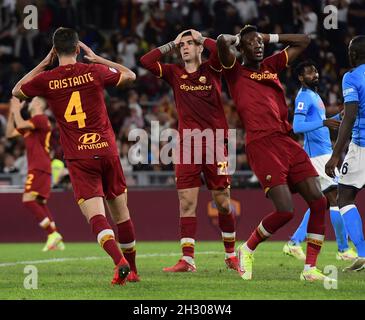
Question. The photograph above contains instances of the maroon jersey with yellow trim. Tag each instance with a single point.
(198, 94)
(37, 143)
(75, 94)
(259, 97)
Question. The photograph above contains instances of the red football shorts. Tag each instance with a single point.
(96, 178)
(188, 175)
(38, 183)
(278, 160)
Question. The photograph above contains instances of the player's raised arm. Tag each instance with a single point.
(17, 92)
(20, 123)
(297, 43)
(151, 60)
(211, 46)
(127, 75)
(225, 44)
(11, 131)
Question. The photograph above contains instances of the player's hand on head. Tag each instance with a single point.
(332, 123)
(89, 54)
(265, 37)
(51, 56)
(331, 166)
(178, 38)
(197, 36)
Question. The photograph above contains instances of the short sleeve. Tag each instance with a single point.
(108, 76)
(35, 87)
(40, 122)
(349, 88)
(277, 62)
(302, 104)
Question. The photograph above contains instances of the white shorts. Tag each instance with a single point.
(319, 164)
(352, 171)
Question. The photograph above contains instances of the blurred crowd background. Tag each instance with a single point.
(124, 30)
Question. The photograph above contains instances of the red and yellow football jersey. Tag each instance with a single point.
(198, 94)
(75, 94)
(37, 143)
(259, 97)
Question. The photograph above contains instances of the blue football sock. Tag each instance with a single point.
(301, 233)
(353, 224)
(339, 227)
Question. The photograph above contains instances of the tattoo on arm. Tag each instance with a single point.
(167, 47)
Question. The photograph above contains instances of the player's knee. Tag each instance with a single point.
(187, 207)
(28, 197)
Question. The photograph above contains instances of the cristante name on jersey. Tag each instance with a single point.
(70, 82)
(90, 141)
(196, 88)
(266, 75)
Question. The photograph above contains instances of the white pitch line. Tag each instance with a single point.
(148, 255)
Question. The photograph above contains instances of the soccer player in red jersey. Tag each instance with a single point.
(75, 93)
(280, 163)
(37, 133)
(197, 90)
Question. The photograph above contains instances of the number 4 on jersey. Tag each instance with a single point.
(75, 104)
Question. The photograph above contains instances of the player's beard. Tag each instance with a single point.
(313, 85)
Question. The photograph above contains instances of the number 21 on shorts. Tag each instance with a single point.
(74, 110)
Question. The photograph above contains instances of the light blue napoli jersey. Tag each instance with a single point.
(353, 86)
(309, 104)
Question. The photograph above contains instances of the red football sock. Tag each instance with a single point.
(268, 226)
(227, 225)
(187, 235)
(127, 241)
(315, 230)
(49, 215)
(38, 211)
(105, 236)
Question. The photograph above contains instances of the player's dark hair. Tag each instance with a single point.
(65, 41)
(247, 29)
(300, 68)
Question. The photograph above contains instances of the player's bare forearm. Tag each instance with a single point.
(225, 43)
(167, 48)
(127, 74)
(297, 43)
(16, 92)
(20, 123)
(344, 133)
(10, 128)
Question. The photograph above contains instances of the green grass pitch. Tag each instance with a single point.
(83, 271)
